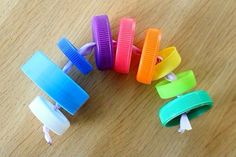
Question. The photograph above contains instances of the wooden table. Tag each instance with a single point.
(120, 117)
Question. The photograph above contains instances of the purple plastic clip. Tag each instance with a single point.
(104, 52)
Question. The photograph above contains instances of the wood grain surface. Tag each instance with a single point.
(120, 117)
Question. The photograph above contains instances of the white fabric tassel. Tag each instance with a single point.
(184, 124)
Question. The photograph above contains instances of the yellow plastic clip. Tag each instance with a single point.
(170, 60)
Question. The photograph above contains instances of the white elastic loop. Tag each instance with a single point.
(46, 130)
(56, 106)
(47, 135)
(170, 77)
(136, 50)
(184, 121)
(67, 67)
(184, 124)
(86, 49)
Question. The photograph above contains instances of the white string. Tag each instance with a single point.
(47, 135)
(184, 124)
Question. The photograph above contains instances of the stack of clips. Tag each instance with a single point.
(110, 54)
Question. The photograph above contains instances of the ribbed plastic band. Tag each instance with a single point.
(104, 53)
(193, 104)
(124, 45)
(74, 56)
(149, 56)
(53, 81)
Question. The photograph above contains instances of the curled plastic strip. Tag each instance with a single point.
(72, 53)
(184, 82)
(170, 60)
(124, 45)
(51, 118)
(104, 53)
(53, 81)
(149, 56)
(193, 104)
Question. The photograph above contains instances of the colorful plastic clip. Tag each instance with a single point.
(124, 45)
(104, 53)
(53, 81)
(193, 104)
(148, 58)
(74, 56)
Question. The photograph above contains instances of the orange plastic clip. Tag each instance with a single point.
(149, 56)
